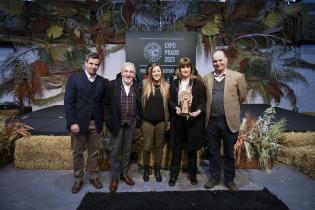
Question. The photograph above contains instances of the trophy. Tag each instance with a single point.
(185, 98)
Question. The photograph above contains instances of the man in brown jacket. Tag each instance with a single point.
(225, 90)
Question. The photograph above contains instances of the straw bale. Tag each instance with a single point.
(287, 155)
(285, 160)
(295, 139)
(44, 152)
(302, 157)
(10, 112)
(43, 165)
(2, 120)
(305, 160)
(309, 113)
(53, 142)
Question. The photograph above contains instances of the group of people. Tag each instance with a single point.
(195, 111)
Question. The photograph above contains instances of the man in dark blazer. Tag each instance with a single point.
(84, 103)
(124, 115)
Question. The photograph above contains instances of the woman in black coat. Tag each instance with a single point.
(187, 119)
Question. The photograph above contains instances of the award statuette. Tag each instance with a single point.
(185, 97)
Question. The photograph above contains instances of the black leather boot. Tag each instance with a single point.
(193, 179)
(172, 181)
(157, 174)
(146, 173)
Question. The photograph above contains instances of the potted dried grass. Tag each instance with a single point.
(257, 143)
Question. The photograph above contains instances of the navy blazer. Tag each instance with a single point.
(80, 104)
(113, 111)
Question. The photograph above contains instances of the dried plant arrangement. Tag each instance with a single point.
(258, 138)
(12, 132)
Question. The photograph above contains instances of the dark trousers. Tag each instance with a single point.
(78, 143)
(217, 130)
(121, 149)
(181, 134)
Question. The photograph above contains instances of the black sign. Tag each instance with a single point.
(165, 48)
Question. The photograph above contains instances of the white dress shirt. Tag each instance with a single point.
(90, 78)
(127, 87)
(219, 77)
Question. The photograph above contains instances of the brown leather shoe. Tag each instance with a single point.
(211, 183)
(127, 179)
(231, 186)
(76, 186)
(96, 183)
(113, 185)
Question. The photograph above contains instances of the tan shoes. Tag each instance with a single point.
(76, 186)
(127, 180)
(211, 183)
(96, 183)
(113, 185)
(231, 186)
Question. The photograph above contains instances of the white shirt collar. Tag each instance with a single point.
(126, 87)
(219, 77)
(90, 78)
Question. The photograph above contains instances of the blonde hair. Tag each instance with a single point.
(148, 86)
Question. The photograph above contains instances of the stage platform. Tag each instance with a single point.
(51, 120)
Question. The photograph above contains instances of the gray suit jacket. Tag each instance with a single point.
(234, 95)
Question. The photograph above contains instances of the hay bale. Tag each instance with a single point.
(285, 157)
(305, 160)
(299, 151)
(9, 112)
(302, 157)
(285, 160)
(3, 118)
(296, 139)
(309, 113)
(43, 152)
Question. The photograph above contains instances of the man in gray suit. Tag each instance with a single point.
(226, 90)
